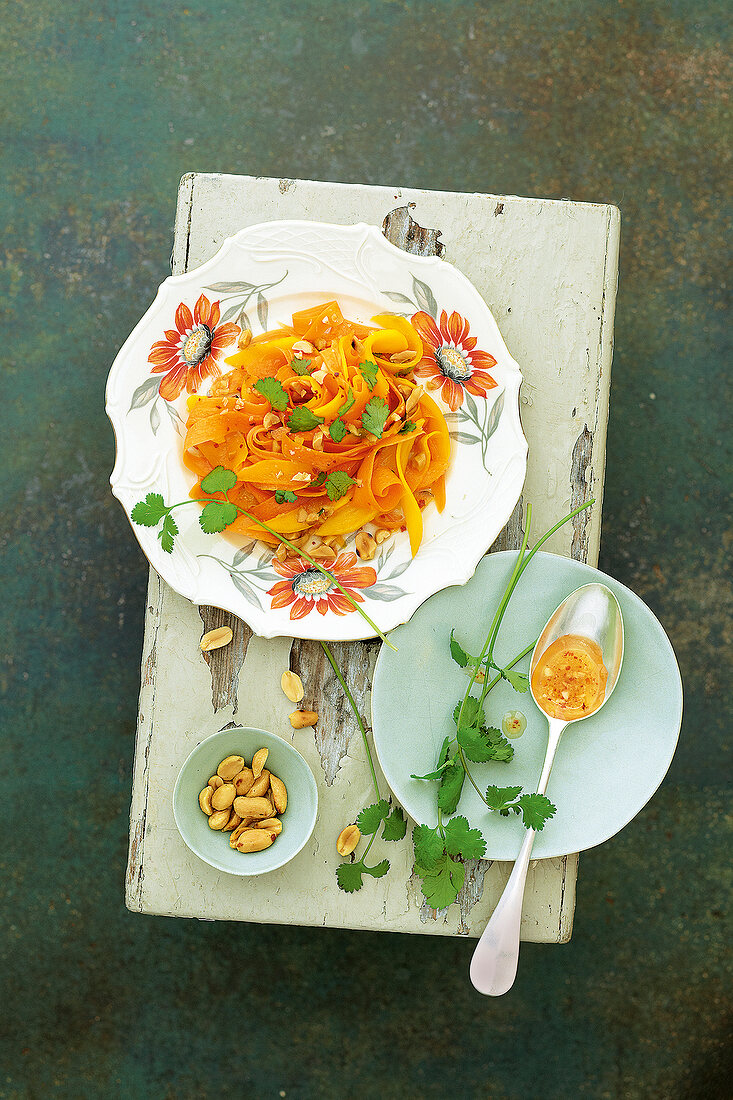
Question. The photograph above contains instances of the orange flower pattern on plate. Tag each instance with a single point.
(190, 352)
(305, 587)
(451, 360)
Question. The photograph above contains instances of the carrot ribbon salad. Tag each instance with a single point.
(326, 431)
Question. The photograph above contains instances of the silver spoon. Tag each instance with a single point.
(593, 613)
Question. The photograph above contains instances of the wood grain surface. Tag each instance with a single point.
(548, 272)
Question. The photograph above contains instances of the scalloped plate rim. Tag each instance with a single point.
(190, 587)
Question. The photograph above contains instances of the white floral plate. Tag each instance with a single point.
(256, 280)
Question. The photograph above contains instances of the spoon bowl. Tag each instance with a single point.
(593, 614)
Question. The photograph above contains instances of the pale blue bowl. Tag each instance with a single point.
(213, 847)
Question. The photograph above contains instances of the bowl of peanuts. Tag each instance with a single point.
(245, 801)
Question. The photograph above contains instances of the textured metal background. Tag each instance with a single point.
(102, 112)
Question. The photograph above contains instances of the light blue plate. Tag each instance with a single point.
(286, 763)
(607, 766)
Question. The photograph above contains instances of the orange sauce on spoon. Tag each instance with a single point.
(569, 679)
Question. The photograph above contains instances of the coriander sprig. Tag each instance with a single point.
(350, 875)
(218, 514)
(438, 852)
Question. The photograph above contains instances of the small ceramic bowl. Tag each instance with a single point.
(286, 763)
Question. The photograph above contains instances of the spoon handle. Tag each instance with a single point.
(495, 960)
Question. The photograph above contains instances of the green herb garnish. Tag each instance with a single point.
(218, 514)
(337, 431)
(301, 366)
(369, 373)
(302, 420)
(285, 496)
(439, 851)
(349, 875)
(338, 484)
(273, 391)
(375, 416)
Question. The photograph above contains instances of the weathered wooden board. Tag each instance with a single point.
(548, 271)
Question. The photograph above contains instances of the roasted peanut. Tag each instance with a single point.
(254, 809)
(405, 356)
(241, 828)
(258, 761)
(381, 535)
(270, 420)
(205, 801)
(348, 839)
(253, 840)
(229, 767)
(243, 781)
(299, 719)
(215, 639)
(223, 796)
(271, 824)
(366, 546)
(292, 685)
(304, 347)
(261, 785)
(219, 819)
(233, 823)
(215, 781)
(414, 399)
(244, 339)
(279, 794)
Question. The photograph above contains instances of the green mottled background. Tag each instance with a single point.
(103, 110)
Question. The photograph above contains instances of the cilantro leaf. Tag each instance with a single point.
(318, 481)
(337, 431)
(518, 680)
(217, 515)
(458, 653)
(473, 714)
(348, 876)
(272, 389)
(347, 404)
(378, 871)
(302, 420)
(442, 888)
(285, 496)
(371, 816)
(220, 480)
(338, 484)
(451, 785)
(498, 798)
(480, 745)
(536, 809)
(375, 416)
(437, 774)
(429, 849)
(301, 366)
(168, 533)
(149, 512)
(369, 373)
(408, 426)
(503, 752)
(395, 826)
(462, 840)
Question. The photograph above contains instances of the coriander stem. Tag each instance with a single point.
(365, 853)
(350, 697)
(470, 777)
(496, 623)
(318, 566)
(488, 685)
